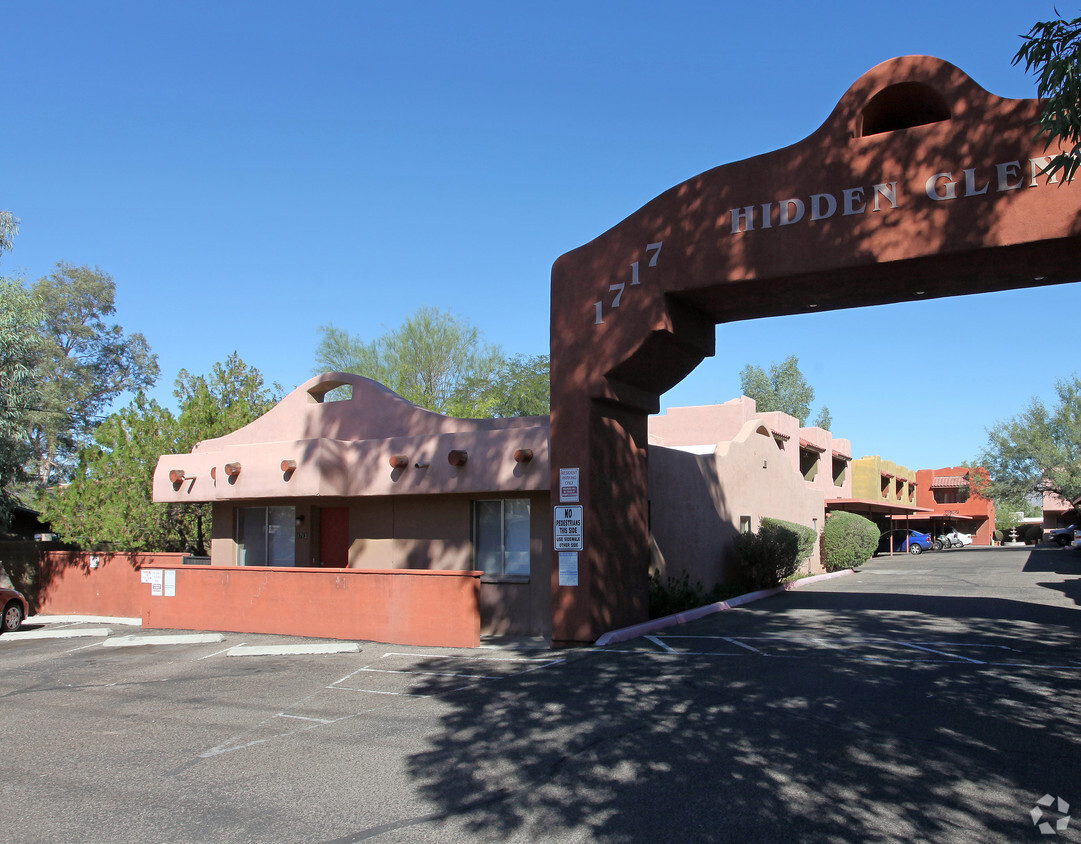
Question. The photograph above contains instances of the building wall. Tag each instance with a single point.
(711, 424)
(978, 513)
(697, 502)
(875, 479)
(420, 532)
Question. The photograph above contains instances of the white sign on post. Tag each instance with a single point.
(568, 528)
(568, 485)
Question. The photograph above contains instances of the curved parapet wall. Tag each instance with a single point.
(373, 442)
(919, 184)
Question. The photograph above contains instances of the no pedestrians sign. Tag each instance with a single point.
(568, 528)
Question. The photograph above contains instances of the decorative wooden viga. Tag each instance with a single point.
(920, 184)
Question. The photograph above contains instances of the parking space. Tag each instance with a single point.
(1021, 654)
(925, 698)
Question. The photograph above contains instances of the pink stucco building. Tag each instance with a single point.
(717, 470)
(344, 473)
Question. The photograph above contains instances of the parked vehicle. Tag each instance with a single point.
(1076, 539)
(15, 609)
(911, 541)
(1062, 536)
(954, 539)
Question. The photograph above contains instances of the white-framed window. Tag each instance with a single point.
(266, 536)
(501, 536)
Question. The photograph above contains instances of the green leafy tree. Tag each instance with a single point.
(783, 388)
(1052, 50)
(518, 386)
(108, 503)
(9, 227)
(1010, 514)
(434, 359)
(87, 362)
(20, 346)
(1037, 451)
(230, 397)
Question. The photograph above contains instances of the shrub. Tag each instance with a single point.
(770, 555)
(673, 595)
(848, 541)
(807, 536)
(1033, 534)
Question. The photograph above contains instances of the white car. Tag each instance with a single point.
(957, 539)
(1076, 540)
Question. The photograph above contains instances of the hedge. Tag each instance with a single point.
(848, 540)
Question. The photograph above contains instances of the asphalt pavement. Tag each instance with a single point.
(923, 698)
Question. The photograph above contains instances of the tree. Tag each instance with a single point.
(86, 364)
(434, 359)
(1052, 50)
(108, 503)
(229, 398)
(1037, 452)
(20, 346)
(784, 388)
(9, 227)
(518, 386)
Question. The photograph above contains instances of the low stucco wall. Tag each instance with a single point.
(408, 607)
(433, 608)
(87, 583)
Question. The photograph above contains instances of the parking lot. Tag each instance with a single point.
(930, 698)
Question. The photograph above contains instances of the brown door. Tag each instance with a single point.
(334, 537)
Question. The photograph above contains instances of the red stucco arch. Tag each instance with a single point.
(919, 184)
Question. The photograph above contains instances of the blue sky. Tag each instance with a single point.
(297, 164)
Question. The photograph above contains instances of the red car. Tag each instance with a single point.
(15, 609)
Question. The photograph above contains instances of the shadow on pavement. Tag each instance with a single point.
(825, 745)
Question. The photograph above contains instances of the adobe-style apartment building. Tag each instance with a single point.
(947, 493)
(343, 473)
(716, 471)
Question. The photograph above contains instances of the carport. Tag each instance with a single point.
(882, 513)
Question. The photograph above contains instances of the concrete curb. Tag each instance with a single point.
(83, 619)
(288, 650)
(182, 639)
(652, 626)
(64, 633)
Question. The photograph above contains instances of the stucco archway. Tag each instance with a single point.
(920, 184)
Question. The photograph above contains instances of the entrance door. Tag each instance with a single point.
(334, 537)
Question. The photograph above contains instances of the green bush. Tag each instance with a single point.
(807, 536)
(1033, 534)
(770, 555)
(848, 540)
(673, 595)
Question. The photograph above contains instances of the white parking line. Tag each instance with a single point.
(851, 646)
(940, 653)
(744, 645)
(656, 641)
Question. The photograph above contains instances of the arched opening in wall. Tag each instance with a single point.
(916, 382)
(902, 106)
(910, 386)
